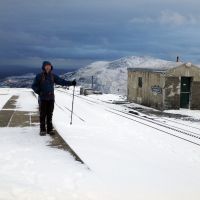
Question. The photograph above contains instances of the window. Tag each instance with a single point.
(140, 82)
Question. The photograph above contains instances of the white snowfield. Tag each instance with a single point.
(127, 160)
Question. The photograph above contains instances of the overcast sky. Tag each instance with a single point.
(73, 33)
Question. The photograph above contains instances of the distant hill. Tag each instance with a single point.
(21, 77)
(24, 81)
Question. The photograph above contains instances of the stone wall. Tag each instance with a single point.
(195, 95)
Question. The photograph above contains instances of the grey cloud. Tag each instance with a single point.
(83, 31)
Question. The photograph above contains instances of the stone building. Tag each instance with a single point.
(171, 86)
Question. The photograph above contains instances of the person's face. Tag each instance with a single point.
(47, 68)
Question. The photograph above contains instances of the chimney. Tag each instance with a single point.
(177, 59)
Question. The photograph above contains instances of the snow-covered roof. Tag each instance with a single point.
(158, 67)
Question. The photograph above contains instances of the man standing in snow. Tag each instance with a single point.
(43, 85)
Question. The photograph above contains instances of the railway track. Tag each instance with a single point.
(64, 108)
(182, 124)
(175, 128)
(183, 134)
(80, 97)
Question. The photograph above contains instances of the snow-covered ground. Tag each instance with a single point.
(128, 160)
(136, 161)
(30, 169)
(192, 113)
(5, 95)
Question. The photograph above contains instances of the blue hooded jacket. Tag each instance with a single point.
(43, 83)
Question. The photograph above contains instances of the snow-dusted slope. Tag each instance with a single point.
(111, 77)
(24, 81)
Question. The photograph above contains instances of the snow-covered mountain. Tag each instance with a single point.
(108, 76)
(111, 77)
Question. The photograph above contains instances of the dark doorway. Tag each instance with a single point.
(185, 92)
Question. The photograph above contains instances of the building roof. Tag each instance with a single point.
(158, 66)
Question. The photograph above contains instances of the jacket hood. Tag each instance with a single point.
(46, 63)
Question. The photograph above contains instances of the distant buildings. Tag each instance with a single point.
(166, 87)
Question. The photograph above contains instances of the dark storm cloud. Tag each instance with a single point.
(78, 32)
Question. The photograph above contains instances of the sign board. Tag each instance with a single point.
(156, 89)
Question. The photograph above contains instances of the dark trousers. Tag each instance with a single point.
(46, 112)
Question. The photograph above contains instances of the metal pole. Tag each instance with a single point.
(72, 106)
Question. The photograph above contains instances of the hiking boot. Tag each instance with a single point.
(42, 133)
(51, 132)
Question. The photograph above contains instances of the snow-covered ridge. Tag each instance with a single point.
(111, 77)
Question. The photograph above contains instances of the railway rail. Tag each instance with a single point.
(150, 122)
